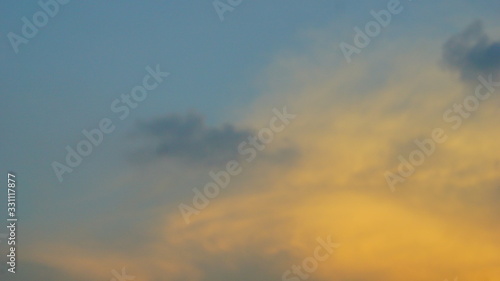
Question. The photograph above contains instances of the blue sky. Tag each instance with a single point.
(264, 54)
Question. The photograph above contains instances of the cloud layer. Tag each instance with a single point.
(352, 124)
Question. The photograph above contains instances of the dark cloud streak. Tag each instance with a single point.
(188, 137)
(472, 53)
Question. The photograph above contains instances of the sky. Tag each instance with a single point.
(251, 140)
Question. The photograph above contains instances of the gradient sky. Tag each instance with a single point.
(323, 175)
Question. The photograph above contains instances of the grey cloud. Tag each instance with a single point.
(472, 53)
(188, 137)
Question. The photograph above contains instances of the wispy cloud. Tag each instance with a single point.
(188, 137)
